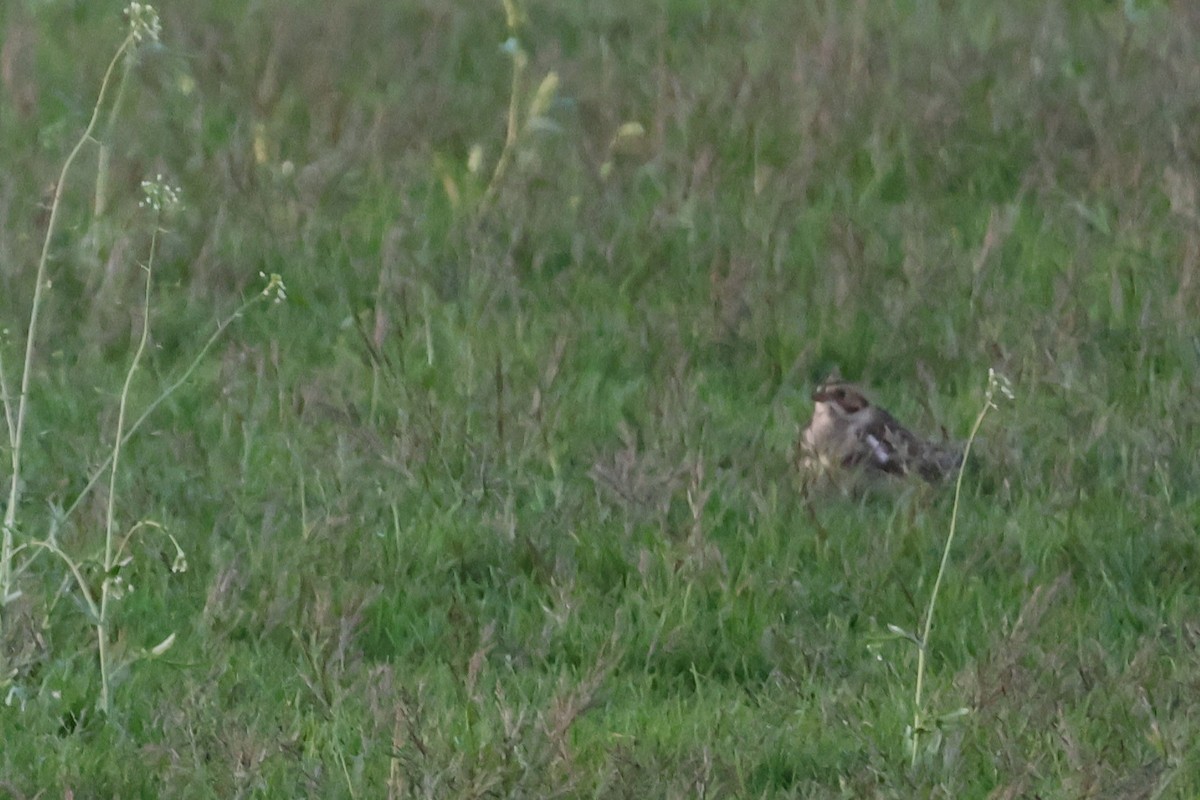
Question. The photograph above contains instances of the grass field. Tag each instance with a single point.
(499, 501)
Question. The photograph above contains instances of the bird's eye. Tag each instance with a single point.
(839, 394)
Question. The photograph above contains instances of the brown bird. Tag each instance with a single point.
(848, 431)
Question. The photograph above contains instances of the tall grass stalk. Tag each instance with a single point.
(110, 552)
(104, 152)
(535, 113)
(143, 24)
(996, 383)
(512, 18)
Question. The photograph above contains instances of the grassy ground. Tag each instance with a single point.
(499, 502)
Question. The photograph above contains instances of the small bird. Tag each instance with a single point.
(847, 431)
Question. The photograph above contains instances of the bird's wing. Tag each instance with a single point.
(897, 450)
(887, 445)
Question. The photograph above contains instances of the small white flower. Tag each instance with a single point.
(143, 22)
(274, 287)
(160, 196)
(118, 587)
(998, 383)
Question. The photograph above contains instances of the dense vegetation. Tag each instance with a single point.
(499, 502)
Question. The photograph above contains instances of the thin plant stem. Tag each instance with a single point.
(512, 18)
(18, 428)
(110, 554)
(103, 469)
(150, 409)
(4, 401)
(100, 198)
(73, 566)
(923, 642)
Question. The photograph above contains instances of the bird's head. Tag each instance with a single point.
(841, 397)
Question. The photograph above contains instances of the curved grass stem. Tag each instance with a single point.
(996, 383)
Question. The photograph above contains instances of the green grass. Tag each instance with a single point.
(499, 503)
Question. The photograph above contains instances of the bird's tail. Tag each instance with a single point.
(940, 462)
